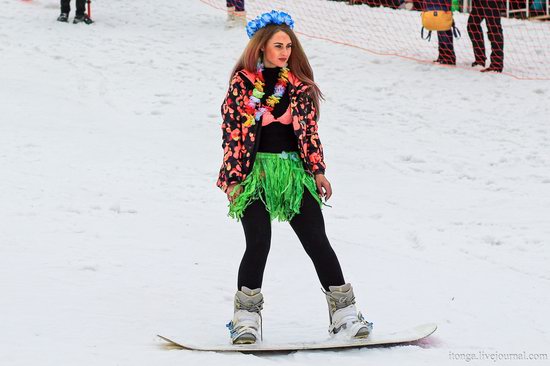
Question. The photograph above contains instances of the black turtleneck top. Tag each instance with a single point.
(276, 137)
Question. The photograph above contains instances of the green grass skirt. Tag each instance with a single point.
(278, 179)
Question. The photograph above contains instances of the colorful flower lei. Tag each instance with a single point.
(273, 17)
(255, 113)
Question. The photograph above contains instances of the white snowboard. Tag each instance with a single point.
(375, 339)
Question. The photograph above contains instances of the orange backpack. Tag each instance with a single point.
(439, 20)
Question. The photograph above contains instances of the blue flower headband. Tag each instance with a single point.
(273, 17)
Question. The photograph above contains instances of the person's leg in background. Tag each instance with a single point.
(495, 35)
(65, 10)
(236, 15)
(80, 7)
(239, 5)
(476, 33)
(65, 6)
(230, 9)
(240, 13)
(446, 48)
(81, 16)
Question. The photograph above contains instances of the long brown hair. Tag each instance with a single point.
(297, 63)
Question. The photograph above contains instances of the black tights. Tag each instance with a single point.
(308, 225)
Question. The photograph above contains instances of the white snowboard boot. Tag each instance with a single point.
(230, 13)
(240, 19)
(230, 21)
(343, 314)
(246, 326)
(235, 18)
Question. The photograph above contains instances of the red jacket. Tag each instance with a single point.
(240, 143)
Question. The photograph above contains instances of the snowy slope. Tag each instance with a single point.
(112, 230)
(386, 31)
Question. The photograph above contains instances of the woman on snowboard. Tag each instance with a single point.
(273, 168)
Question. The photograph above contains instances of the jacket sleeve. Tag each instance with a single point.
(315, 155)
(231, 171)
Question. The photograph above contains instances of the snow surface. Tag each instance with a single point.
(112, 229)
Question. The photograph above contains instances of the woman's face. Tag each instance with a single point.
(277, 50)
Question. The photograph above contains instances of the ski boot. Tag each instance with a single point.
(82, 19)
(240, 19)
(63, 17)
(493, 68)
(343, 315)
(230, 21)
(230, 13)
(246, 326)
(478, 63)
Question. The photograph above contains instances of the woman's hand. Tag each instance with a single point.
(323, 186)
(229, 191)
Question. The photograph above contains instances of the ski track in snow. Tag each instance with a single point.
(111, 228)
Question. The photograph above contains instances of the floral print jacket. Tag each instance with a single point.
(240, 142)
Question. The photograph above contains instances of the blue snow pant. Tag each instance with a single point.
(446, 47)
